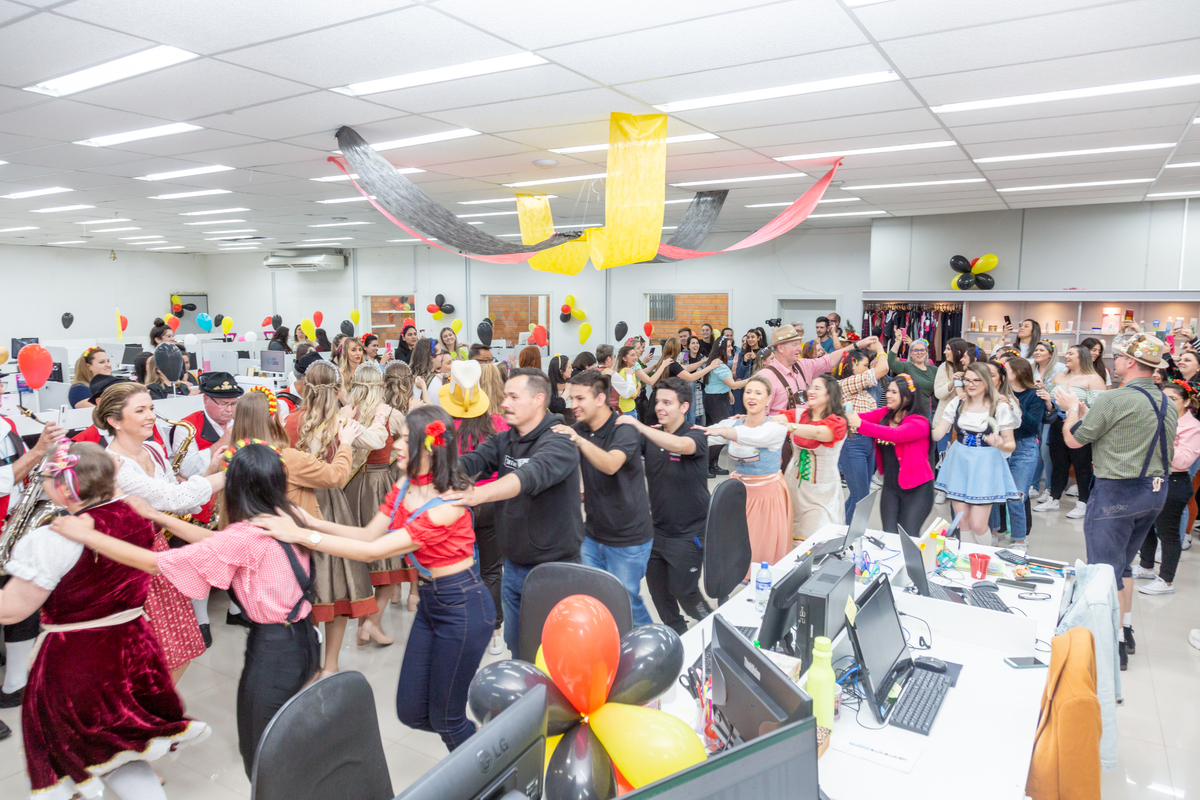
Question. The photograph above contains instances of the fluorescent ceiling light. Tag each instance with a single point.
(354, 176)
(36, 193)
(857, 3)
(171, 247)
(1133, 148)
(1183, 164)
(22, 228)
(780, 91)
(915, 183)
(55, 209)
(138, 135)
(102, 221)
(214, 211)
(73, 241)
(339, 224)
(1075, 185)
(575, 225)
(132, 238)
(184, 173)
(469, 70)
(232, 249)
(3, 162)
(499, 235)
(846, 214)
(214, 222)
(434, 238)
(1069, 94)
(592, 177)
(359, 199)
(181, 195)
(682, 200)
(429, 138)
(788, 203)
(121, 68)
(1191, 193)
(239, 230)
(740, 180)
(113, 230)
(224, 238)
(594, 148)
(502, 200)
(475, 223)
(315, 245)
(896, 148)
(669, 227)
(331, 239)
(489, 214)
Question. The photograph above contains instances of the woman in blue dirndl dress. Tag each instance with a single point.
(974, 473)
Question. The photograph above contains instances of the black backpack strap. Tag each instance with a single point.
(303, 578)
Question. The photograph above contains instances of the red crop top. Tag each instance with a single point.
(833, 422)
(441, 545)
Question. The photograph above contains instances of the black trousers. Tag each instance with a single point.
(23, 631)
(673, 577)
(280, 659)
(491, 561)
(1166, 528)
(716, 408)
(905, 507)
(1062, 458)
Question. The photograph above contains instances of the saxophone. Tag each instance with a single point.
(32, 510)
(181, 453)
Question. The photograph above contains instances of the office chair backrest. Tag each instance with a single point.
(548, 584)
(726, 540)
(324, 743)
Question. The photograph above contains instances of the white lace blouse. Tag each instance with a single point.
(161, 489)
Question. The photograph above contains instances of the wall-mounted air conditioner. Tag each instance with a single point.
(303, 261)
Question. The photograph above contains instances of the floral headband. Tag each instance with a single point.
(1187, 388)
(232, 450)
(61, 467)
(912, 387)
(433, 435)
(1049, 345)
(90, 352)
(272, 402)
(919, 343)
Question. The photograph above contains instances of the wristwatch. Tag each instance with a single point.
(314, 538)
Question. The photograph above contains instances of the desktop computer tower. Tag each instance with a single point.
(821, 605)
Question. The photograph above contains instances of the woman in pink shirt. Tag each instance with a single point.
(1166, 527)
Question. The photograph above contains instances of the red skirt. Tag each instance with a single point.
(172, 616)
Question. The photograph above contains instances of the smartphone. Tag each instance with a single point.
(1025, 585)
(1025, 662)
(650, 354)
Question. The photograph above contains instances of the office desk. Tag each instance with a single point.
(982, 739)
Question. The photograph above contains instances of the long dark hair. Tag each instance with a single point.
(158, 331)
(323, 345)
(894, 416)
(1098, 362)
(718, 352)
(256, 483)
(851, 358)
(959, 348)
(474, 431)
(281, 335)
(555, 372)
(836, 405)
(443, 464)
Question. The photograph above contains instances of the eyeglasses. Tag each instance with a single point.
(225, 404)
(971, 382)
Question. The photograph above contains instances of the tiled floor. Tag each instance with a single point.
(1159, 724)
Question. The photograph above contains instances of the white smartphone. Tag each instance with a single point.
(1025, 662)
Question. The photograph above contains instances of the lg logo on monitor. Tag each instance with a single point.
(486, 758)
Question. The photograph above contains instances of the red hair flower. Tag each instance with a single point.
(433, 434)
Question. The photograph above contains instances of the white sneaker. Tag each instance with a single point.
(1072, 490)
(1047, 505)
(1186, 544)
(497, 645)
(876, 481)
(1141, 573)
(1078, 511)
(1045, 496)
(939, 497)
(1158, 586)
(1018, 546)
(1194, 638)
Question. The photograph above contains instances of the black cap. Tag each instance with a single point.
(305, 361)
(220, 384)
(102, 382)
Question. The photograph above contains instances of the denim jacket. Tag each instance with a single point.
(1092, 603)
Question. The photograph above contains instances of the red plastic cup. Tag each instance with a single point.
(979, 565)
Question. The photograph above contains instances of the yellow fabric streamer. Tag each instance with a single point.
(120, 333)
(634, 191)
(537, 224)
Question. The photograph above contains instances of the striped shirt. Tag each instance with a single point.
(1121, 427)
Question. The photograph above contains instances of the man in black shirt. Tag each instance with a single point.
(618, 529)
(676, 454)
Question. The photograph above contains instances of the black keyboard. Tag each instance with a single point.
(985, 598)
(919, 703)
(939, 592)
(749, 633)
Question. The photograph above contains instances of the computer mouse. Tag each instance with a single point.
(931, 664)
(988, 585)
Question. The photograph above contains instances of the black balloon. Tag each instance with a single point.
(622, 329)
(497, 686)
(181, 314)
(483, 332)
(985, 281)
(439, 300)
(347, 327)
(580, 768)
(169, 361)
(276, 321)
(189, 306)
(960, 264)
(564, 317)
(67, 319)
(217, 320)
(966, 281)
(446, 308)
(651, 660)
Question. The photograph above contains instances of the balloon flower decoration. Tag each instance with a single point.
(439, 307)
(539, 335)
(178, 307)
(973, 272)
(601, 740)
(569, 312)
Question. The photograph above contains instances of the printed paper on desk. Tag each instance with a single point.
(899, 756)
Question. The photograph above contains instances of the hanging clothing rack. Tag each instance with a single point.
(935, 321)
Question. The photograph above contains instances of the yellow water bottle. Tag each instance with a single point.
(821, 681)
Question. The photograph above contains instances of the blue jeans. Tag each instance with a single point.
(690, 418)
(630, 413)
(1022, 464)
(628, 564)
(511, 584)
(1043, 464)
(454, 622)
(857, 464)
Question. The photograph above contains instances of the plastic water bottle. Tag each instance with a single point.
(762, 587)
(820, 682)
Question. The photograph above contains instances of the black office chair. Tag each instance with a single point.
(324, 743)
(726, 540)
(548, 584)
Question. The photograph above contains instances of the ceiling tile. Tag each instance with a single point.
(316, 112)
(901, 18)
(803, 137)
(547, 79)
(1007, 137)
(68, 121)
(590, 105)
(70, 156)
(46, 46)
(823, 105)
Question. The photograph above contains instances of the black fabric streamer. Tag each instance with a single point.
(697, 223)
(414, 208)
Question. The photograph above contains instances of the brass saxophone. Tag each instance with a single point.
(32, 510)
(181, 453)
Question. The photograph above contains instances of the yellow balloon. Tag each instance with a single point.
(539, 661)
(310, 330)
(168, 317)
(954, 284)
(570, 300)
(577, 314)
(176, 299)
(585, 330)
(532, 327)
(438, 315)
(456, 326)
(227, 324)
(551, 743)
(646, 744)
(985, 263)
(354, 316)
(3, 355)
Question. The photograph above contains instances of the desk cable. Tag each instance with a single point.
(922, 644)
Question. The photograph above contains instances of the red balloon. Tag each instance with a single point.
(395, 301)
(433, 308)
(35, 364)
(539, 336)
(266, 322)
(623, 784)
(124, 322)
(317, 318)
(973, 262)
(566, 309)
(176, 308)
(582, 649)
(174, 323)
(648, 328)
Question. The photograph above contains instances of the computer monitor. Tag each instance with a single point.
(782, 763)
(132, 351)
(854, 531)
(914, 564)
(880, 648)
(272, 360)
(753, 695)
(17, 344)
(780, 615)
(506, 755)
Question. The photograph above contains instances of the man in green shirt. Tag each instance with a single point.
(1132, 433)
